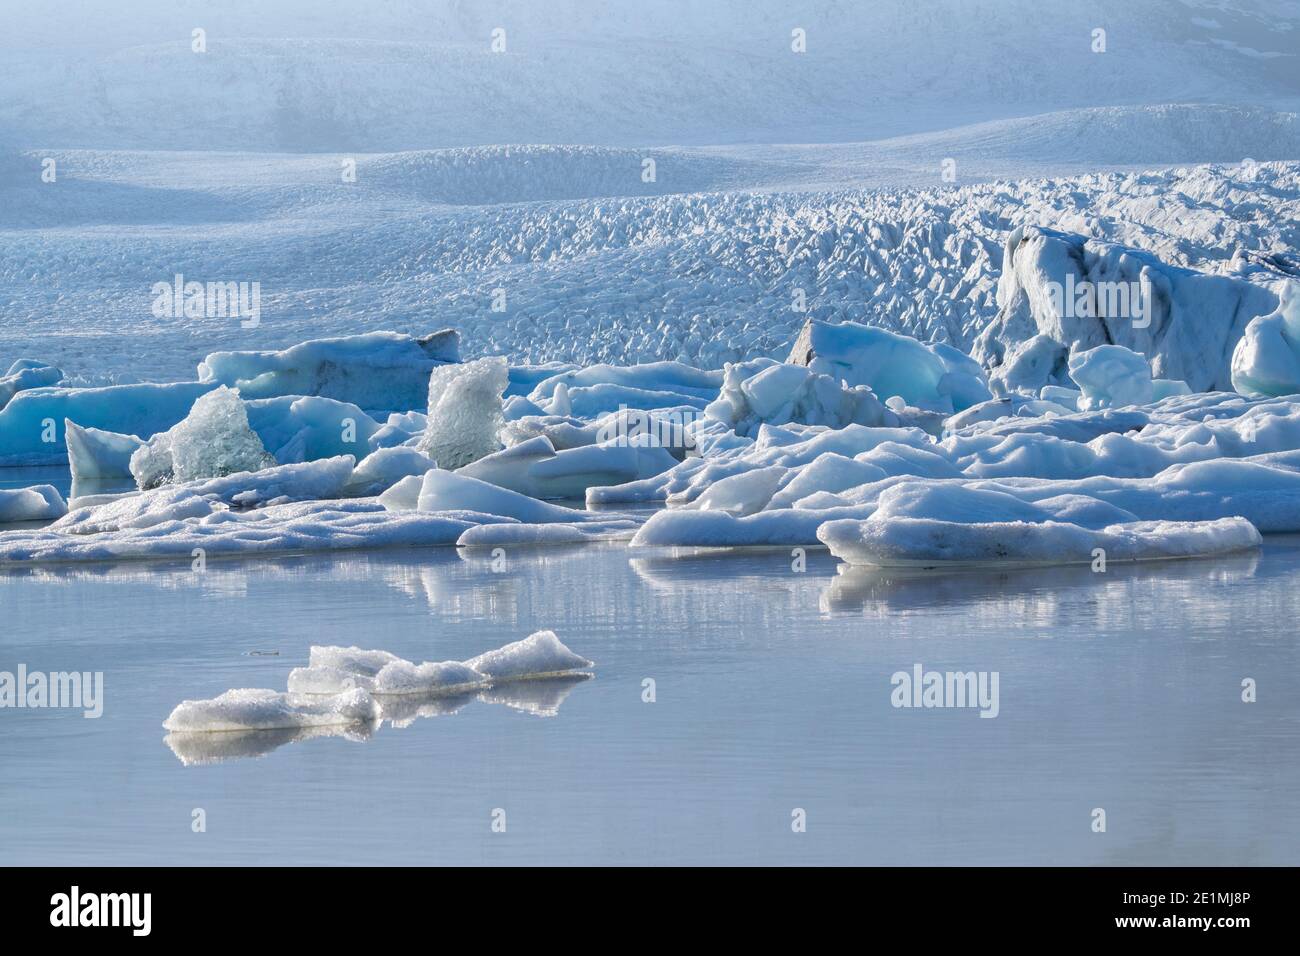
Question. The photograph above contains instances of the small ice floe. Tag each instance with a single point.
(36, 503)
(350, 689)
(919, 542)
(257, 709)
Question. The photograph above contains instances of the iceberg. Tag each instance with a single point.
(25, 374)
(1082, 292)
(465, 412)
(349, 685)
(95, 454)
(1111, 376)
(35, 503)
(769, 392)
(385, 467)
(1266, 362)
(32, 424)
(257, 709)
(388, 371)
(935, 377)
(536, 469)
(213, 439)
(442, 490)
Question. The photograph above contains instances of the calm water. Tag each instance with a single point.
(1120, 691)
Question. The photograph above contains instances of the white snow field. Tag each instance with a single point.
(1019, 300)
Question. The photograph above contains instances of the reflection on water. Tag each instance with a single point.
(771, 690)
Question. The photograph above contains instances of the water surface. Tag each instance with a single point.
(1119, 691)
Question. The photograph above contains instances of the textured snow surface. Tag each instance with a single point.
(724, 270)
(348, 685)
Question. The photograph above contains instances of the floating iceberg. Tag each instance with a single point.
(31, 425)
(378, 370)
(450, 491)
(923, 542)
(95, 454)
(1111, 376)
(534, 467)
(1081, 293)
(385, 467)
(537, 656)
(1267, 359)
(936, 377)
(347, 685)
(331, 670)
(768, 392)
(37, 503)
(213, 439)
(465, 412)
(257, 709)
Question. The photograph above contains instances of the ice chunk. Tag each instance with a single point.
(1035, 363)
(96, 454)
(382, 469)
(332, 670)
(214, 439)
(539, 655)
(465, 411)
(767, 392)
(536, 469)
(25, 374)
(1084, 292)
(742, 494)
(923, 542)
(307, 428)
(447, 491)
(939, 378)
(1267, 359)
(271, 710)
(195, 522)
(36, 503)
(1111, 376)
(404, 495)
(378, 370)
(35, 416)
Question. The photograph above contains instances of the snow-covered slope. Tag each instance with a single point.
(414, 74)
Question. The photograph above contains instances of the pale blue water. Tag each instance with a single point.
(1119, 691)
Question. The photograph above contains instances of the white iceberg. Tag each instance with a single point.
(924, 542)
(35, 503)
(1267, 359)
(25, 374)
(257, 709)
(377, 370)
(536, 469)
(95, 454)
(1111, 376)
(936, 377)
(1082, 292)
(382, 469)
